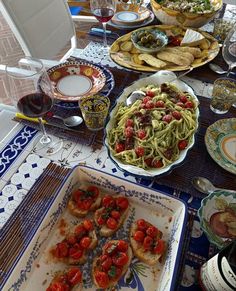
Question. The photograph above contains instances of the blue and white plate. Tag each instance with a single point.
(109, 85)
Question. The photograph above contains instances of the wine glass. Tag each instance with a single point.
(229, 51)
(103, 10)
(30, 89)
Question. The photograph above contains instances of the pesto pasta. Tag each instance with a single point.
(153, 131)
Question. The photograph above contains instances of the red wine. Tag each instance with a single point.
(35, 105)
(103, 14)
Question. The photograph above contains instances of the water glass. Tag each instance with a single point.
(222, 26)
(223, 95)
(94, 111)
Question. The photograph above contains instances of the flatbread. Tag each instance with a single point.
(152, 61)
(174, 58)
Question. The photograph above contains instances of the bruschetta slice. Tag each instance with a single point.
(111, 216)
(74, 248)
(146, 242)
(84, 201)
(112, 264)
(67, 280)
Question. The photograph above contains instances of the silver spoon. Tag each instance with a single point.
(217, 69)
(205, 186)
(138, 94)
(70, 121)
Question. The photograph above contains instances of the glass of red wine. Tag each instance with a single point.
(103, 10)
(31, 91)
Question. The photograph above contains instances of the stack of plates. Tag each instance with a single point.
(133, 17)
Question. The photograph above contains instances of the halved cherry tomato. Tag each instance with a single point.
(106, 264)
(74, 276)
(177, 115)
(120, 259)
(147, 243)
(183, 98)
(146, 99)
(100, 220)
(119, 147)
(139, 151)
(61, 250)
(167, 118)
(150, 104)
(129, 131)
(139, 235)
(75, 252)
(152, 231)
(129, 122)
(160, 247)
(94, 190)
(115, 214)
(102, 279)
(141, 133)
(160, 104)
(88, 225)
(148, 161)
(108, 201)
(118, 272)
(182, 144)
(141, 224)
(188, 104)
(150, 93)
(111, 223)
(85, 242)
(157, 164)
(58, 286)
(122, 202)
(122, 246)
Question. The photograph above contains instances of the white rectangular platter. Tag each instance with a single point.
(34, 270)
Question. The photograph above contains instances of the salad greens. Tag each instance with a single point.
(193, 6)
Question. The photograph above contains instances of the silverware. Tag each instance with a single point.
(70, 121)
(217, 69)
(205, 186)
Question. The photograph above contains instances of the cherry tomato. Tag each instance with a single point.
(100, 220)
(177, 115)
(139, 236)
(129, 122)
(160, 247)
(62, 250)
(139, 151)
(157, 164)
(75, 252)
(71, 239)
(141, 133)
(160, 104)
(119, 147)
(58, 286)
(122, 202)
(167, 118)
(85, 242)
(147, 243)
(141, 224)
(106, 264)
(122, 246)
(129, 131)
(94, 190)
(183, 98)
(182, 144)
(108, 201)
(88, 225)
(146, 99)
(188, 104)
(115, 214)
(150, 93)
(111, 223)
(152, 231)
(74, 276)
(174, 40)
(150, 104)
(79, 230)
(77, 194)
(102, 279)
(103, 257)
(148, 161)
(120, 259)
(86, 204)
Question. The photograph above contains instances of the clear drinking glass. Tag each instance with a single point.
(103, 10)
(229, 49)
(30, 89)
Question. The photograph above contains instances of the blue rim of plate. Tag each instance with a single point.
(106, 90)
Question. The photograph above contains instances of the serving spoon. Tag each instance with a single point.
(217, 69)
(205, 186)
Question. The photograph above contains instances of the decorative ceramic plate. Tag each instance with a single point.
(126, 55)
(133, 26)
(155, 79)
(220, 140)
(33, 269)
(74, 79)
(105, 91)
(131, 17)
(217, 217)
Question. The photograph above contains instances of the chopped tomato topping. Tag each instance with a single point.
(58, 286)
(108, 201)
(100, 220)
(152, 231)
(88, 225)
(61, 250)
(106, 264)
(141, 224)
(102, 279)
(85, 242)
(160, 247)
(74, 276)
(120, 259)
(139, 236)
(111, 223)
(122, 246)
(115, 214)
(147, 243)
(122, 202)
(76, 252)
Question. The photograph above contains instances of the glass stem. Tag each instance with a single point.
(45, 139)
(229, 70)
(104, 24)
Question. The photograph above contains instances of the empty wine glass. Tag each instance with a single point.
(30, 89)
(103, 10)
(229, 49)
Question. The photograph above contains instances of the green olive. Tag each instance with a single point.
(144, 40)
(150, 37)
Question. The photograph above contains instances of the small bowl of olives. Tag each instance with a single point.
(149, 40)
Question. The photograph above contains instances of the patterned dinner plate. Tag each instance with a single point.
(75, 79)
(131, 17)
(220, 140)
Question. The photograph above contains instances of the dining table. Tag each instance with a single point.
(26, 168)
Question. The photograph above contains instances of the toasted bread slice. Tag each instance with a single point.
(139, 251)
(79, 212)
(96, 263)
(104, 229)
